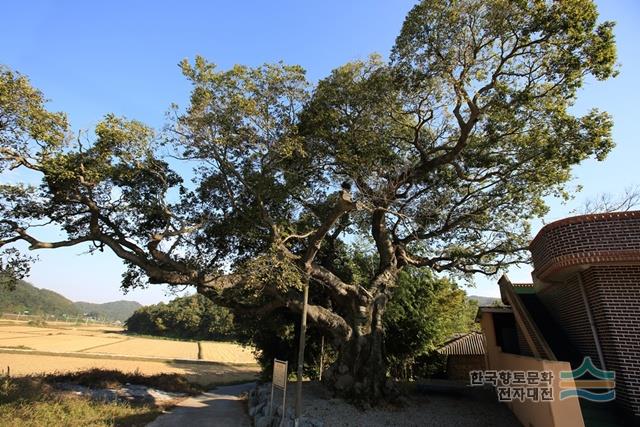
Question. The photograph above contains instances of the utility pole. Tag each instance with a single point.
(303, 331)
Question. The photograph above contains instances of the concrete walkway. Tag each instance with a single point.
(220, 408)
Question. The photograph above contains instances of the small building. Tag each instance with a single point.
(464, 353)
(582, 307)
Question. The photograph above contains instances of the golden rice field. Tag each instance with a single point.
(65, 348)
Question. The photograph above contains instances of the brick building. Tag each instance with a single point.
(584, 301)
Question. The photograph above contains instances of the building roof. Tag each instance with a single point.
(468, 344)
(522, 285)
(519, 288)
(588, 218)
(567, 246)
(492, 309)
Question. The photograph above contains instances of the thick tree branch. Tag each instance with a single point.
(382, 239)
(343, 205)
(325, 319)
(334, 283)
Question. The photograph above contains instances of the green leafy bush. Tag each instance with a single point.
(194, 317)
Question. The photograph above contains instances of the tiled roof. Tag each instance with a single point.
(522, 285)
(469, 344)
(521, 288)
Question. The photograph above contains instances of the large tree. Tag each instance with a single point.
(437, 159)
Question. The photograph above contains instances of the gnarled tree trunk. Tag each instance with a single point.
(360, 372)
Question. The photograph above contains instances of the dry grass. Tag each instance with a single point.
(62, 342)
(85, 341)
(153, 348)
(100, 339)
(227, 352)
(15, 327)
(26, 364)
(10, 335)
(31, 401)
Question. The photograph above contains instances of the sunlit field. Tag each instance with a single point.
(62, 347)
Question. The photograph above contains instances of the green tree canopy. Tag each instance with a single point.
(424, 313)
(439, 159)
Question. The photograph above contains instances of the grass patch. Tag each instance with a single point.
(32, 402)
(66, 410)
(16, 347)
(37, 323)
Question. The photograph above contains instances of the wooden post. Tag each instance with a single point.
(271, 398)
(200, 352)
(321, 358)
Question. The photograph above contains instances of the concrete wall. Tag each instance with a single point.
(556, 413)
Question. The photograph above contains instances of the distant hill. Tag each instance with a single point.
(36, 301)
(116, 310)
(27, 297)
(485, 301)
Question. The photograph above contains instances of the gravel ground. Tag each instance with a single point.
(476, 407)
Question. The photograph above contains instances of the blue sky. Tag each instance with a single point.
(93, 58)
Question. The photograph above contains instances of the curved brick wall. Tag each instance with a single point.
(609, 238)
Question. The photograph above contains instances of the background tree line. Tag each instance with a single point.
(424, 312)
(193, 317)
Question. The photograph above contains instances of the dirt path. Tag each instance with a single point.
(220, 408)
